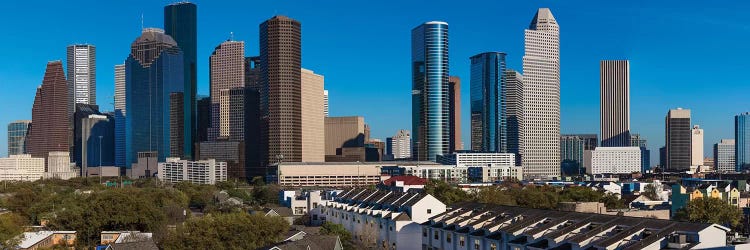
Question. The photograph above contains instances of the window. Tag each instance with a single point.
(315, 217)
(476, 244)
(461, 241)
(448, 237)
(493, 246)
(429, 211)
(437, 235)
(424, 232)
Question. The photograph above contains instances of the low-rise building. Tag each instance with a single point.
(46, 239)
(474, 226)
(325, 174)
(175, 170)
(387, 219)
(21, 168)
(60, 167)
(478, 159)
(107, 237)
(615, 160)
(403, 183)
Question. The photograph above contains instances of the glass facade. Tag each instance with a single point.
(430, 83)
(742, 141)
(180, 23)
(153, 71)
(488, 113)
(17, 137)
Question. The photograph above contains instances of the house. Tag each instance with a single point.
(475, 226)
(321, 242)
(403, 183)
(46, 239)
(107, 237)
(139, 245)
(283, 212)
(388, 219)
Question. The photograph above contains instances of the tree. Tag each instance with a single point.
(580, 194)
(710, 210)
(345, 236)
(612, 201)
(650, 192)
(227, 231)
(445, 192)
(495, 195)
(11, 225)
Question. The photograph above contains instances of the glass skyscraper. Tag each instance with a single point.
(153, 72)
(180, 23)
(488, 114)
(17, 137)
(430, 83)
(742, 141)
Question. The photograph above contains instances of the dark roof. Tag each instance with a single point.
(141, 245)
(282, 211)
(322, 242)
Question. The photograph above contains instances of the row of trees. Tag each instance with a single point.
(515, 194)
(83, 205)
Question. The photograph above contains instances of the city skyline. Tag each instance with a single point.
(578, 73)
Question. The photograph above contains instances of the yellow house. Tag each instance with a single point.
(696, 194)
(715, 194)
(733, 197)
(47, 239)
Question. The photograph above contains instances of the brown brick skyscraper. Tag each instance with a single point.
(454, 99)
(50, 129)
(281, 91)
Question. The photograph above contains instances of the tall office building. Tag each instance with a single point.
(399, 146)
(514, 112)
(97, 142)
(177, 125)
(742, 141)
(541, 97)
(120, 115)
(591, 141)
(281, 88)
(256, 147)
(81, 65)
(488, 110)
(430, 90)
(678, 140)
(227, 70)
(181, 23)
(154, 72)
(203, 118)
(50, 115)
(637, 141)
(325, 102)
(697, 146)
(454, 107)
(313, 124)
(614, 101)
(81, 111)
(571, 154)
(17, 132)
(724, 155)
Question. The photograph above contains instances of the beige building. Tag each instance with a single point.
(313, 138)
(697, 146)
(309, 174)
(227, 70)
(347, 131)
(21, 168)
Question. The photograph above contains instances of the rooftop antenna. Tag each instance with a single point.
(141, 21)
(231, 36)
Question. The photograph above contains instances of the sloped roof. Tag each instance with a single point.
(407, 179)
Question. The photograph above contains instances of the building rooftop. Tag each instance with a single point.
(407, 179)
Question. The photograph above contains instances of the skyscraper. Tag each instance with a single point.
(637, 141)
(203, 117)
(227, 70)
(742, 141)
(614, 101)
(180, 23)
(343, 132)
(313, 124)
(120, 158)
(541, 97)
(81, 65)
(256, 146)
(678, 137)
(514, 112)
(724, 155)
(17, 132)
(696, 146)
(81, 111)
(488, 110)
(454, 107)
(154, 72)
(325, 102)
(281, 91)
(97, 142)
(571, 154)
(50, 115)
(430, 90)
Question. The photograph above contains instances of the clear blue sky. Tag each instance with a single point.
(688, 54)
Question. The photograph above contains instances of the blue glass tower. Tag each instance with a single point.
(488, 116)
(742, 141)
(180, 23)
(430, 83)
(153, 71)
